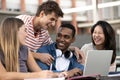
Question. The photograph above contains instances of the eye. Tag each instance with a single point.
(25, 29)
(94, 32)
(100, 33)
(52, 19)
(58, 35)
(67, 37)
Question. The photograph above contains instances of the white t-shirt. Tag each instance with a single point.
(62, 63)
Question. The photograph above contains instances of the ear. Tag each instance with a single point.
(73, 39)
(42, 13)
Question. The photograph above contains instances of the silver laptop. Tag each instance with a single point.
(97, 62)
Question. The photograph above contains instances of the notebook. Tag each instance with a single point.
(97, 62)
(62, 78)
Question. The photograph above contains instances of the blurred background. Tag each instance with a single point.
(81, 13)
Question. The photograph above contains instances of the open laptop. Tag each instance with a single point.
(97, 62)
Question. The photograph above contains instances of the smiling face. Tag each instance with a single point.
(64, 38)
(98, 36)
(45, 21)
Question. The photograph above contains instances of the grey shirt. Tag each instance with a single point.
(87, 47)
(23, 56)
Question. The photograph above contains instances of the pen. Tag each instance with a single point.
(51, 66)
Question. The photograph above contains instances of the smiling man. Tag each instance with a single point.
(64, 59)
(37, 26)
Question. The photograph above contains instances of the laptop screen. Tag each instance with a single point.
(97, 62)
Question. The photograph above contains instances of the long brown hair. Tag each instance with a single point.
(9, 43)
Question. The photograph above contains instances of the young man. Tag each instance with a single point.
(64, 59)
(36, 27)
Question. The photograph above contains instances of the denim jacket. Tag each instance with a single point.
(50, 49)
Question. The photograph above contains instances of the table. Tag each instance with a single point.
(96, 78)
(110, 78)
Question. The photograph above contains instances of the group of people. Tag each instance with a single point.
(27, 50)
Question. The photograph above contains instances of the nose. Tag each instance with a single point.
(53, 23)
(61, 38)
(97, 34)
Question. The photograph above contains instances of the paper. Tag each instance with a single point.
(46, 78)
(112, 75)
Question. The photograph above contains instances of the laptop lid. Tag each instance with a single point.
(97, 62)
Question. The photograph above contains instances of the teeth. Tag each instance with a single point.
(61, 44)
(96, 39)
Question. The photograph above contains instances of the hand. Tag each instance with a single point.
(74, 72)
(46, 74)
(79, 54)
(81, 57)
(45, 58)
(63, 74)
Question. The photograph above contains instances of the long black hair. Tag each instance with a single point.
(109, 33)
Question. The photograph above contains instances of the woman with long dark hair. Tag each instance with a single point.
(103, 38)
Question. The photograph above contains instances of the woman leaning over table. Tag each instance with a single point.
(15, 59)
(103, 38)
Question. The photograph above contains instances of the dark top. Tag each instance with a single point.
(23, 56)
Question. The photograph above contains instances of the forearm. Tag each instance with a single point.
(21, 76)
(16, 76)
(32, 64)
(35, 55)
(73, 72)
(33, 67)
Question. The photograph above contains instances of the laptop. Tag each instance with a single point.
(97, 62)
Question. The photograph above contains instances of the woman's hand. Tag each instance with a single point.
(47, 74)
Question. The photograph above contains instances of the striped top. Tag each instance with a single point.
(31, 41)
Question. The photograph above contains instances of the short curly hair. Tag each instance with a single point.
(48, 7)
